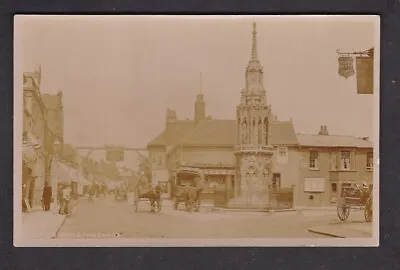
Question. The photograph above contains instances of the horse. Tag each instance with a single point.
(192, 197)
(153, 194)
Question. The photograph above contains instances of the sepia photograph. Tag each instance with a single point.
(168, 131)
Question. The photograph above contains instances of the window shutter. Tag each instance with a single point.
(353, 160)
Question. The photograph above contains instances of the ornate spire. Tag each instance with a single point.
(254, 44)
(201, 83)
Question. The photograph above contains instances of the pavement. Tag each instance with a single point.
(43, 224)
(338, 229)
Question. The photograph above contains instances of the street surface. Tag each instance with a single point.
(110, 218)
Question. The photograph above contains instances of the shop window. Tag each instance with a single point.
(370, 161)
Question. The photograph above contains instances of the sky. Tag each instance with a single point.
(119, 74)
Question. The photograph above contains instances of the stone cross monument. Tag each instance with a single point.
(253, 152)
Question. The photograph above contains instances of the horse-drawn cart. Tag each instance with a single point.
(152, 194)
(356, 197)
(188, 187)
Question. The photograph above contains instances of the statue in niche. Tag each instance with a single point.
(266, 130)
(244, 132)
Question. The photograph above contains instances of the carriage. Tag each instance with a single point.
(145, 192)
(188, 186)
(357, 197)
(120, 194)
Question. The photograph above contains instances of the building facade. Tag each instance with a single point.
(328, 162)
(35, 135)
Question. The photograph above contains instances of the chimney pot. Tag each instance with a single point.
(323, 130)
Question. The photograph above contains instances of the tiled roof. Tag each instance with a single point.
(212, 132)
(176, 134)
(332, 141)
(51, 101)
(223, 132)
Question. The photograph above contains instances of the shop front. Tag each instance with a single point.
(219, 180)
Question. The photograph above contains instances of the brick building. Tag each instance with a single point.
(35, 135)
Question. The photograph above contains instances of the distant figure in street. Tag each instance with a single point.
(92, 192)
(47, 194)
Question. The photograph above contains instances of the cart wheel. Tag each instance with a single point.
(368, 210)
(343, 211)
(188, 206)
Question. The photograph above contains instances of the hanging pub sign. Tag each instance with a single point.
(365, 73)
(346, 68)
(364, 69)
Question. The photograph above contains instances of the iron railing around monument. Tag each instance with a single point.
(280, 198)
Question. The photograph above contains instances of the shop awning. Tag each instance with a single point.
(82, 179)
(62, 172)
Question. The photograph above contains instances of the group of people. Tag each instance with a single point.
(63, 198)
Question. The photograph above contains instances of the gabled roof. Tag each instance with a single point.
(312, 140)
(282, 133)
(176, 134)
(224, 133)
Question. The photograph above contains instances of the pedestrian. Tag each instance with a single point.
(92, 192)
(65, 198)
(47, 195)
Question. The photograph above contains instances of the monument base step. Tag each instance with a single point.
(243, 202)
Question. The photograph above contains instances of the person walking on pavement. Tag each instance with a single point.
(66, 196)
(47, 195)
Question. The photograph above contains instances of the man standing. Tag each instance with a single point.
(47, 194)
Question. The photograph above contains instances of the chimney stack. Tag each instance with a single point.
(323, 131)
